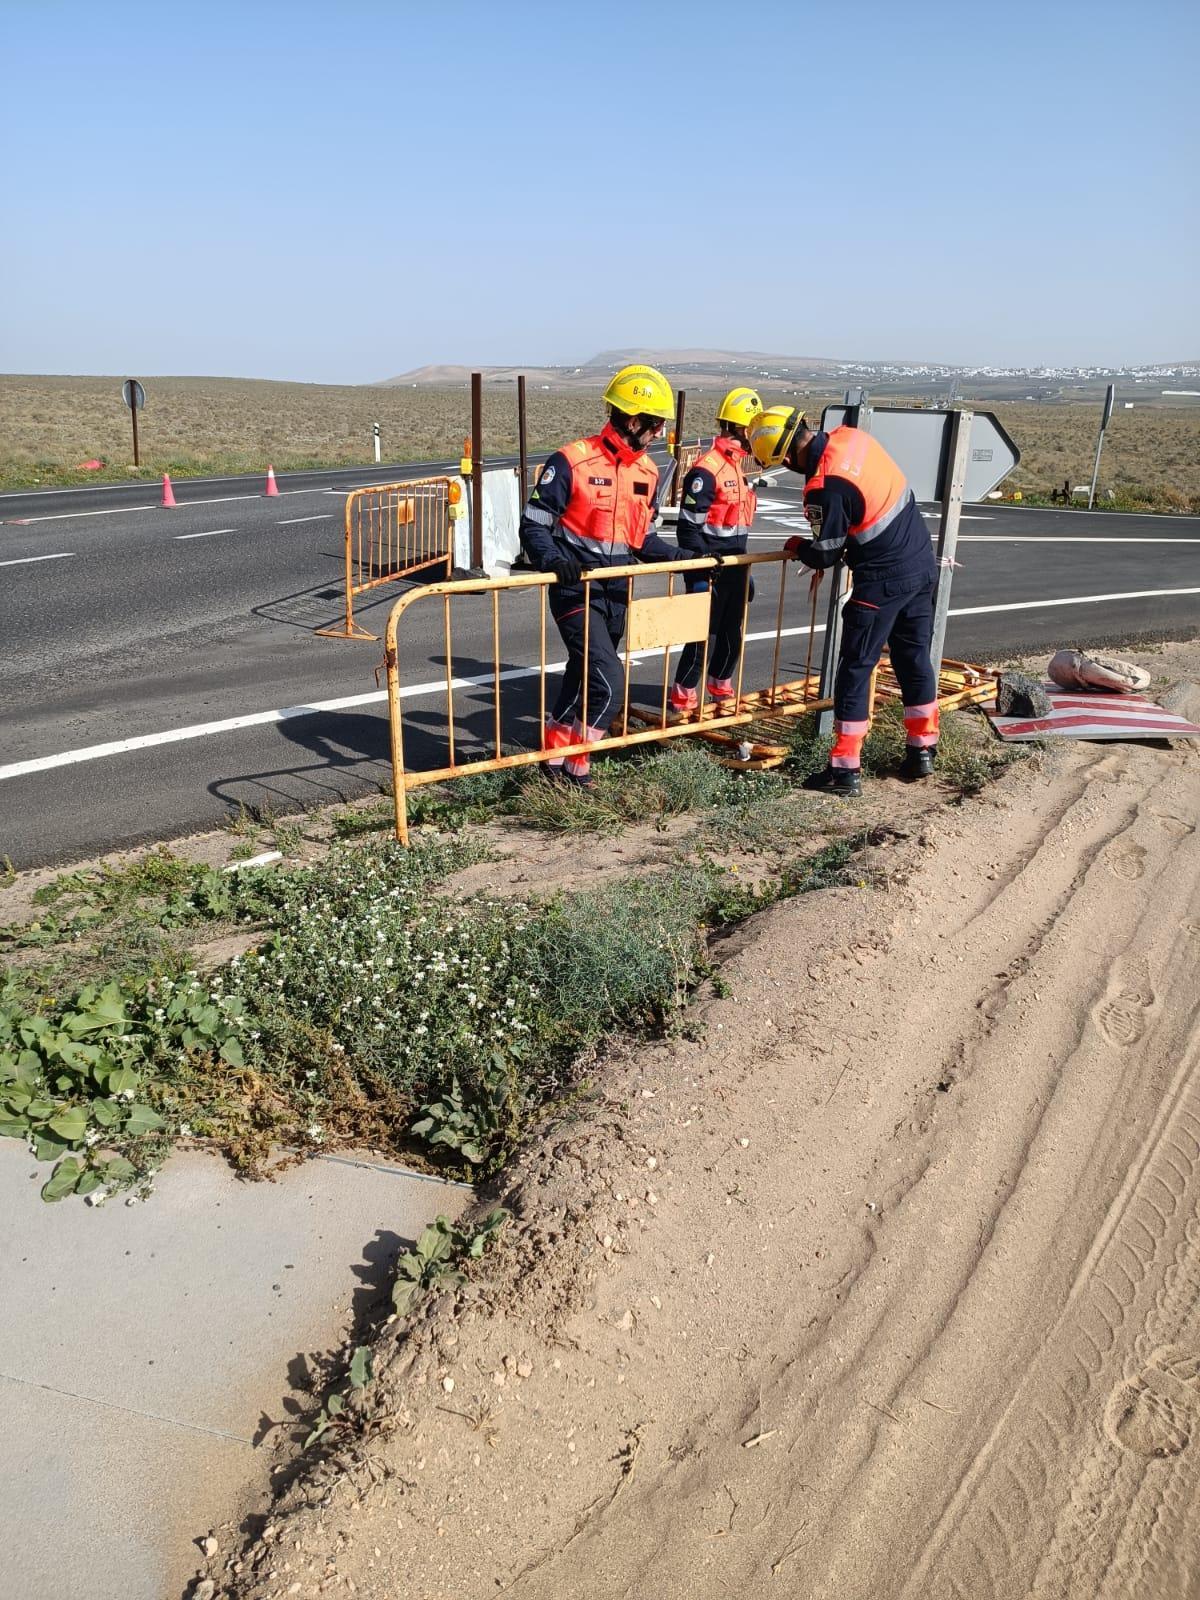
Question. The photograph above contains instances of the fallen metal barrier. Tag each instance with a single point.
(392, 531)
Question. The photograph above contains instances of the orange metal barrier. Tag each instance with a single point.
(655, 622)
(394, 530)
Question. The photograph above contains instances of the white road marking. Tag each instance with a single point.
(1065, 538)
(1073, 600)
(63, 516)
(257, 719)
(211, 534)
(116, 511)
(20, 561)
(324, 517)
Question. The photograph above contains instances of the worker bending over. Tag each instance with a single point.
(715, 515)
(593, 506)
(864, 511)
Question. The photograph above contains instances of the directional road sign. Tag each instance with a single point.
(919, 442)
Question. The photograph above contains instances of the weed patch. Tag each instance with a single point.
(373, 1007)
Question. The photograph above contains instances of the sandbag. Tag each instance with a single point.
(1018, 695)
(1078, 669)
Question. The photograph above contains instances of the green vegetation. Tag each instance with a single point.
(436, 1260)
(368, 1003)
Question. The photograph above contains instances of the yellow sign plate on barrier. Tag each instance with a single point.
(662, 620)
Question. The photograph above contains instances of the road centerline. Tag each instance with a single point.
(210, 534)
(20, 561)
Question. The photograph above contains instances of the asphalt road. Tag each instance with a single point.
(121, 624)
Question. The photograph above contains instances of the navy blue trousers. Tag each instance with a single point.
(728, 606)
(896, 612)
(605, 670)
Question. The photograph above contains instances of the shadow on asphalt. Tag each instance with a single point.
(350, 751)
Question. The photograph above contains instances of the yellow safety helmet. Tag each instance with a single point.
(739, 406)
(640, 391)
(772, 431)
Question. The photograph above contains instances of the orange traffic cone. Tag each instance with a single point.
(272, 486)
(168, 498)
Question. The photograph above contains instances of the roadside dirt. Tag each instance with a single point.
(887, 1285)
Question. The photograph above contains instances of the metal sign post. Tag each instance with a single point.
(375, 431)
(1104, 422)
(522, 437)
(858, 415)
(477, 475)
(947, 545)
(134, 397)
(667, 490)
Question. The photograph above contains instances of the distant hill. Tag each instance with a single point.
(702, 368)
(809, 376)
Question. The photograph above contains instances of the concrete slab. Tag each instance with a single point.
(143, 1349)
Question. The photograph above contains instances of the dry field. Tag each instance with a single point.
(208, 425)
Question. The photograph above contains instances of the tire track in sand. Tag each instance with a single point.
(1090, 1481)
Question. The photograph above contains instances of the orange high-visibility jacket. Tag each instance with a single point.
(857, 457)
(612, 492)
(734, 502)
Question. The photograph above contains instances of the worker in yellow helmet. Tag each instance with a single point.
(865, 514)
(593, 506)
(716, 512)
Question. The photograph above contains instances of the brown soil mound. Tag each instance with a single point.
(888, 1285)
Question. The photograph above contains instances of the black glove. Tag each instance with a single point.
(566, 567)
(750, 591)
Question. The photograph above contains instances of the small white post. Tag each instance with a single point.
(375, 431)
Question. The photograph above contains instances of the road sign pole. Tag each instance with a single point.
(947, 545)
(667, 495)
(523, 437)
(134, 397)
(1104, 421)
(477, 475)
(858, 416)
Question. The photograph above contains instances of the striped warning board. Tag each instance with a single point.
(1076, 715)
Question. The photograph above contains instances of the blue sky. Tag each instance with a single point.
(338, 193)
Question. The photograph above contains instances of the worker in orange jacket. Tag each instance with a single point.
(866, 515)
(594, 506)
(716, 513)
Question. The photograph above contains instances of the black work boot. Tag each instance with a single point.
(918, 762)
(844, 782)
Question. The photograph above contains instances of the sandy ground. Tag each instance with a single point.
(887, 1285)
